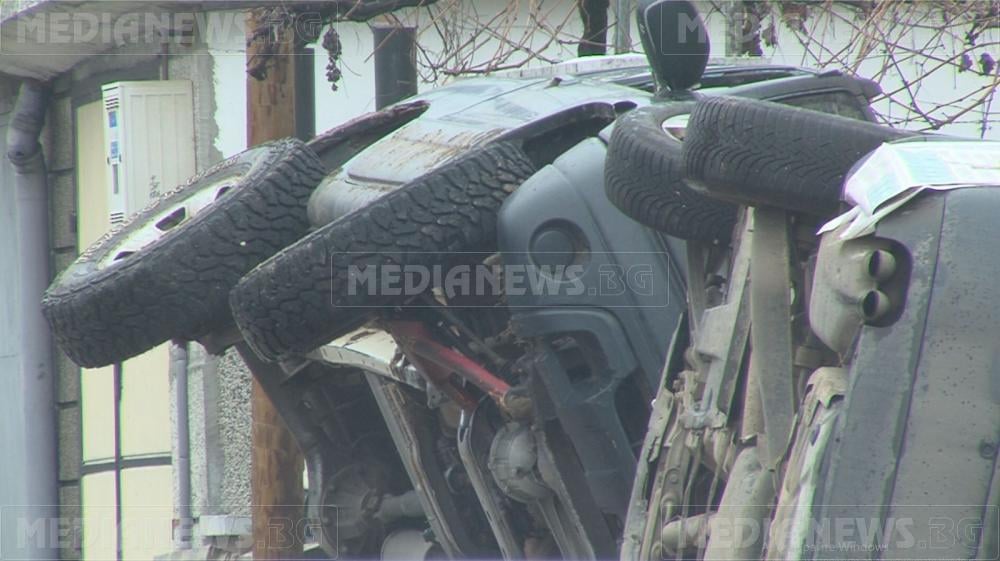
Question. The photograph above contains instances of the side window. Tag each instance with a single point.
(836, 103)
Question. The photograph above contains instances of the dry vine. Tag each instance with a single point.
(905, 45)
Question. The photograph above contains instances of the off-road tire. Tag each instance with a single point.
(762, 153)
(301, 298)
(178, 286)
(644, 178)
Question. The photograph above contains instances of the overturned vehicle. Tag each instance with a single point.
(483, 311)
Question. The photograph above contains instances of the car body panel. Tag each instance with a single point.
(472, 112)
(460, 117)
(916, 440)
(622, 302)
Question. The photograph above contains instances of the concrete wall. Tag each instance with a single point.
(219, 406)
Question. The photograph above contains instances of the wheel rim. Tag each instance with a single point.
(676, 126)
(166, 221)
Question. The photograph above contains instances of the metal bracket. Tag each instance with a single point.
(771, 338)
(722, 339)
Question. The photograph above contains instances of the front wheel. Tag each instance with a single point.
(167, 272)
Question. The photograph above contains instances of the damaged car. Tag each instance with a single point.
(471, 307)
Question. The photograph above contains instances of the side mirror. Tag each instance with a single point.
(675, 40)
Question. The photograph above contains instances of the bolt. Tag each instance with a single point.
(987, 450)
(672, 476)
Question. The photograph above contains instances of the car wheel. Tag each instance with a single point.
(308, 294)
(762, 153)
(644, 177)
(167, 272)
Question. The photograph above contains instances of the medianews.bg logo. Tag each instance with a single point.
(114, 24)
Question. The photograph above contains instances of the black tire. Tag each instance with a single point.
(107, 307)
(644, 178)
(300, 299)
(762, 153)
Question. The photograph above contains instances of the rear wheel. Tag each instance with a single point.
(762, 153)
(644, 176)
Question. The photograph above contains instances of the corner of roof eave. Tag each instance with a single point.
(26, 62)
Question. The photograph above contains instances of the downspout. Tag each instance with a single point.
(179, 373)
(37, 380)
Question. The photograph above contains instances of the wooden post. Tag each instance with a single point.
(278, 106)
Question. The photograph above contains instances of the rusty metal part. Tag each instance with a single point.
(661, 420)
(668, 487)
(439, 363)
(649, 478)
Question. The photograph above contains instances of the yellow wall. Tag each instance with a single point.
(147, 502)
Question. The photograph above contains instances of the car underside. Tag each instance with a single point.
(527, 443)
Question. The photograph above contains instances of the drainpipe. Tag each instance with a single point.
(179, 373)
(36, 377)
